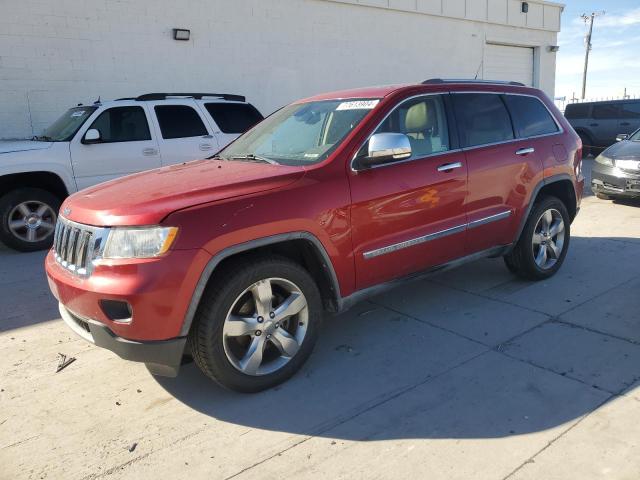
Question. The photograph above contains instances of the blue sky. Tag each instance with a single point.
(614, 62)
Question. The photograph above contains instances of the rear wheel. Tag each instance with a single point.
(257, 325)
(28, 218)
(544, 242)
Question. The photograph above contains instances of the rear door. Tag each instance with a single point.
(629, 117)
(604, 123)
(231, 119)
(126, 146)
(409, 215)
(501, 168)
(182, 131)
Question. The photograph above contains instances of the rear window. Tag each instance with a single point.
(483, 118)
(530, 116)
(234, 117)
(631, 110)
(179, 121)
(577, 110)
(605, 111)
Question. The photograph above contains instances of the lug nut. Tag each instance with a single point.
(258, 333)
(272, 314)
(260, 319)
(277, 325)
(268, 337)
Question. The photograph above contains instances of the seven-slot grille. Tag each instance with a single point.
(74, 244)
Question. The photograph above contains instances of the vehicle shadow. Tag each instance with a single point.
(471, 353)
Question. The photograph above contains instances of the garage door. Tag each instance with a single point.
(504, 62)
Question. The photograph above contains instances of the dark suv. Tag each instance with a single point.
(234, 259)
(599, 123)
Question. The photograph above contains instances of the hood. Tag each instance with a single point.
(625, 150)
(8, 146)
(148, 197)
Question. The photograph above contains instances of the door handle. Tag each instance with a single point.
(149, 151)
(525, 151)
(205, 146)
(449, 166)
(594, 124)
(625, 124)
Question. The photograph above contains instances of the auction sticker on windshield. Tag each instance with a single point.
(358, 105)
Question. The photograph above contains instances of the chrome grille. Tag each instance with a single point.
(75, 245)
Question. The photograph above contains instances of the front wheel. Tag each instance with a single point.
(257, 324)
(28, 218)
(544, 242)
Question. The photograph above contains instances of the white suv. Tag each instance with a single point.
(95, 143)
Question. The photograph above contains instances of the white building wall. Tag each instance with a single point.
(55, 54)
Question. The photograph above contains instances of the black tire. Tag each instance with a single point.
(8, 204)
(586, 144)
(206, 340)
(520, 260)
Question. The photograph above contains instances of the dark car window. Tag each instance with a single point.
(122, 124)
(630, 110)
(234, 117)
(483, 118)
(530, 116)
(577, 110)
(179, 121)
(605, 111)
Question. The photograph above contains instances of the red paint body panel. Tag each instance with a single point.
(220, 204)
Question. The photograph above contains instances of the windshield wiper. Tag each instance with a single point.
(255, 158)
(42, 138)
(216, 156)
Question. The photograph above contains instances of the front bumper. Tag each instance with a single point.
(614, 181)
(161, 357)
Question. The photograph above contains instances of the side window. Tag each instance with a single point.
(530, 116)
(483, 118)
(234, 117)
(122, 124)
(631, 110)
(577, 110)
(424, 121)
(179, 121)
(605, 111)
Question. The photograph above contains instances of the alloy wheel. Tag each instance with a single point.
(265, 326)
(32, 221)
(548, 239)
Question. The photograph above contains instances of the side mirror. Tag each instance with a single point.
(622, 136)
(92, 136)
(385, 148)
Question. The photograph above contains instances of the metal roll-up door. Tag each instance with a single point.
(505, 62)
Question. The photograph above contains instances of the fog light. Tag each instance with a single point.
(116, 310)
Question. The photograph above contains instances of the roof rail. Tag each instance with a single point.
(197, 96)
(433, 81)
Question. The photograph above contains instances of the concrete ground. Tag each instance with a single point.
(472, 374)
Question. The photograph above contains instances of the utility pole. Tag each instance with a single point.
(590, 19)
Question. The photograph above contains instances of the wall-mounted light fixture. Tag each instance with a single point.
(553, 48)
(181, 34)
(525, 7)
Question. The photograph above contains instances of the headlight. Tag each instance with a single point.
(604, 160)
(138, 242)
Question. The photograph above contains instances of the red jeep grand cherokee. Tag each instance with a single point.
(234, 259)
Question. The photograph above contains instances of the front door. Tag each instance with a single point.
(409, 215)
(126, 146)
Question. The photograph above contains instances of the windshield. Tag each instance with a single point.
(635, 136)
(63, 129)
(300, 134)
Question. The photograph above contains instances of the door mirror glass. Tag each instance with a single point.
(92, 136)
(385, 148)
(621, 137)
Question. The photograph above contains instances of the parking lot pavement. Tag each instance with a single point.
(470, 374)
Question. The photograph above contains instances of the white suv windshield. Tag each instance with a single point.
(63, 129)
(300, 134)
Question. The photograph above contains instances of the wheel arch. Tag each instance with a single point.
(560, 186)
(302, 247)
(48, 181)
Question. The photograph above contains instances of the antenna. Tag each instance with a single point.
(479, 67)
(587, 40)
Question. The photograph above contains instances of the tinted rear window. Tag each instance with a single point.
(483, 118)
(530, 116)
(631, 110)
(577, 110)
(234, 117)
(179, 121)
(604, 111)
